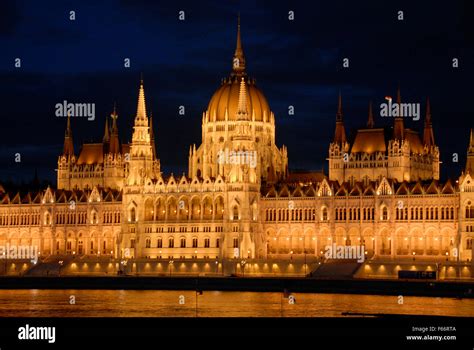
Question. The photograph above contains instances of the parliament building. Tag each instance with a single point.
(239, 199)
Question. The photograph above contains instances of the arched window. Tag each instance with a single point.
(148, 242)
(171, 242)
(384, 214)
(235, 213)
(469, 211)
(183, 242)
(133, 217)
(159, 243)
(47, 219)
(195, 242)
(469, 244)
(324, 214)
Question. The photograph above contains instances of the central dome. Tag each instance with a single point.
(227, 98)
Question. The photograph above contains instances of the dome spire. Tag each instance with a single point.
(242, 112)
(238, 62)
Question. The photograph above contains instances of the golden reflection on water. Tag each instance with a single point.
(151, 303)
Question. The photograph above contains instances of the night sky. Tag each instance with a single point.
(296, 63)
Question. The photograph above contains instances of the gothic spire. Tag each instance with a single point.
(238, 62)
(471, 142)
(370, 120)
(114, 138)
(141, 118)
(340, 132)
(106, 137)
(68, 149)
(242, 111)
(398, 126)
(428, 136)
(339, 108)
(152, 136)
(470, 155)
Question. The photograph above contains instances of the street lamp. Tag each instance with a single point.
(60, 265)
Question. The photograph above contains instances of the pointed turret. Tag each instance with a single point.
(470, 155)
(370, 119)
(242, 110)
(68, 149)
(399, 127)
(340, 132)
(114, 138)
(242, 129)
(106, 138)
(471, 143)
(141, 118)
(238, 61)
(152, 136)
(428, 136)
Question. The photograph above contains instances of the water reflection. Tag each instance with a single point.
(138, 303)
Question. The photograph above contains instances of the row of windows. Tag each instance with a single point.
(81, 249)
(182, 229)
(182, 243)
(61, 218)
(19, 219)
(287, 214)
(417, 213)
(343, 214)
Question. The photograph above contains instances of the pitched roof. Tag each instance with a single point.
(91, 153)
(369, 141)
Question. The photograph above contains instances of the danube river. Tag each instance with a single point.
(153, 303)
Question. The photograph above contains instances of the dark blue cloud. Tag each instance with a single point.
(296, 63)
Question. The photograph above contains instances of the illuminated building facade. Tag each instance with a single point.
(239, 199)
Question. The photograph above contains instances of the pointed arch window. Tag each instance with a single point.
(235, 213)
(384, 213)
(133, 215)
(324, 214)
